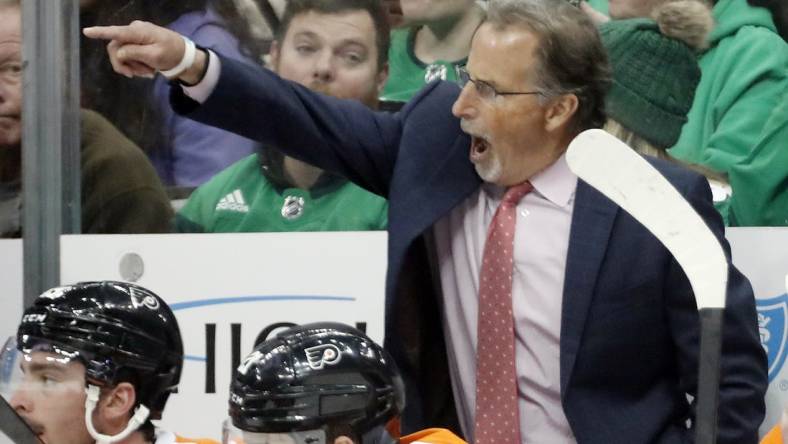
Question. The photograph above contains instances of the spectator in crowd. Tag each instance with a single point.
(761, 199)
(583, 352)
(120, 190)
(655, 73)
(744, 74)
(338, 47)
(276, 391)
(185, 153)
(433, 45)
(98, 362)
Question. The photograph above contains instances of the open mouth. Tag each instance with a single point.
(479, 147)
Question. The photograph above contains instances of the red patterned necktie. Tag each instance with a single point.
(497, 416)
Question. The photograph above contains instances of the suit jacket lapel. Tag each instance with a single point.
(453, 181)
(592, 220)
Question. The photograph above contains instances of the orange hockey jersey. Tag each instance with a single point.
(432, 436)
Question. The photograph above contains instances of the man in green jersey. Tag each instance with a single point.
(338, 47)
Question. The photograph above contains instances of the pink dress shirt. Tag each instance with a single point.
(541, 241)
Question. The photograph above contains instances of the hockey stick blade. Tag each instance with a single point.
(13, 427)
(626, 178)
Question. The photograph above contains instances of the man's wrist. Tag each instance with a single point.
(195, 73)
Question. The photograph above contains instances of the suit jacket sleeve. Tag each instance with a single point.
(743, 372)
(341, 136)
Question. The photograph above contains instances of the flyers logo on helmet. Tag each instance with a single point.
(321, 355)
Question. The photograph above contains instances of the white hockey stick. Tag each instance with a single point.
(626, 178)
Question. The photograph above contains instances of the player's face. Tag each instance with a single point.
(10, 76)
(51, 398)
(334, 54)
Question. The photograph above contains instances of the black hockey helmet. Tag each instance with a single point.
(313, 376)
(116, 330)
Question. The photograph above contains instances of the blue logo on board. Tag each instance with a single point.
(772, 319)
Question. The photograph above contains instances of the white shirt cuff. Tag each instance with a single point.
(202, 90)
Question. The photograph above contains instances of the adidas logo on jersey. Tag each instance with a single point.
(233, 202)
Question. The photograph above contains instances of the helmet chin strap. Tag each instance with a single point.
(140, 415)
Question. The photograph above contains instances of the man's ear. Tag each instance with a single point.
(383, 76)
(560, 111)
(116, 405)
(343, 440)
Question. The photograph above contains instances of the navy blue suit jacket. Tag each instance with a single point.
(629, 326)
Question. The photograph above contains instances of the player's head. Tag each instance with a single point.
(322, 383)
(119, 340)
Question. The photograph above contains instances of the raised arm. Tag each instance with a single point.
(341, 136)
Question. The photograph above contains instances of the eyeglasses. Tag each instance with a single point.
(485, 90)
(11, 72)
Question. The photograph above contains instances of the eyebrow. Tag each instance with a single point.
(305, 33)
(36, 367)
(488, 83)
(345, 42)
(481, 80)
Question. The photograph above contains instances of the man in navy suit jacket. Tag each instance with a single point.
(605, 320)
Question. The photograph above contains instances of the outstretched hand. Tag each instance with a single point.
(141, 49)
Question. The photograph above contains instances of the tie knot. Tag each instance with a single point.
(516, 192)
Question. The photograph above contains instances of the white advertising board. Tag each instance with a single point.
(762, 255)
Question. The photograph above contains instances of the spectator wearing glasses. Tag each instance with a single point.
(496, 247)
(120, 192)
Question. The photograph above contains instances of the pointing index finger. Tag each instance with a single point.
(124, 34)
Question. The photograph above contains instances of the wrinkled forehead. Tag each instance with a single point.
(10, 37)
(10, 25)
(503, 55)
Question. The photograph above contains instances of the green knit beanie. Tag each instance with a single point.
(654, 75)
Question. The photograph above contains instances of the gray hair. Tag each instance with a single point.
(572, 59)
